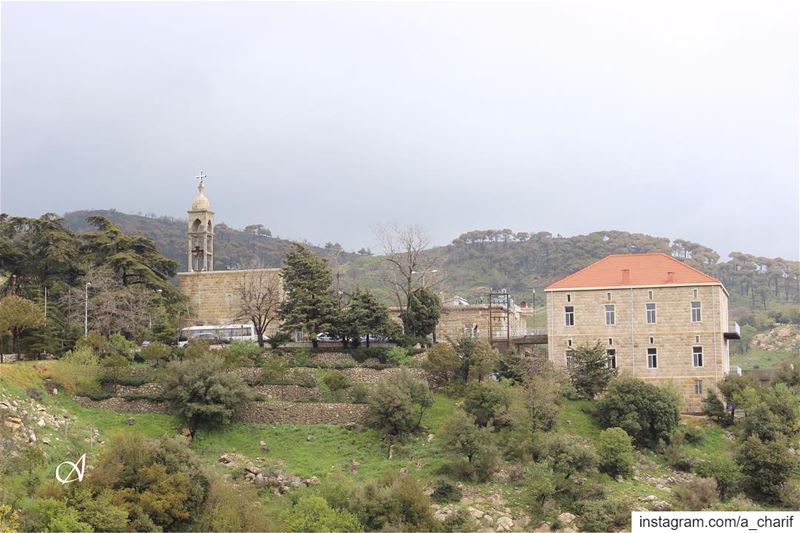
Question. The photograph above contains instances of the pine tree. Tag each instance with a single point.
(589, 371)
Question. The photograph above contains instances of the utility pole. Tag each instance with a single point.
(86, 308)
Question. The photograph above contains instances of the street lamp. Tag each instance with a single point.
(86, 308)
(534, 308)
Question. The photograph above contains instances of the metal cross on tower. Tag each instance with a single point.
(202, 178)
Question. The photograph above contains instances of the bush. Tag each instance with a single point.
(279, 339)
(274, 370)
(647, 413)
(615, 452)
(241, 353)
(725, 472)
(300, 357)
(487, 402)
(359, 393)
(195, 349)
(312, 513)
(396, 407)
(398, 356)
(335, 381)
(156, 353)
(231, 507)
(394, 504)
(603, 515)
(445, 491)
(715, 410)
(766, 466)
(461, 436)
(442, 363)
(48, 514)
(692, 435)
(458, 520)
(678, 458)
(590, 373)
(568, 454)
(543, 396)
(119, 345)
(697, 494)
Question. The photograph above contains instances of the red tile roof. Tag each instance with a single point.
(643, 270)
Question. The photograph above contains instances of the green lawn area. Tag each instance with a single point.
(757, 358)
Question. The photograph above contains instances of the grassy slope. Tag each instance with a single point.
(759, 358)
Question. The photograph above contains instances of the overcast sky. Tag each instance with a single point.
(321, 121)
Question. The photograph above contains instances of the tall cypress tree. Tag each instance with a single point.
(309, 303)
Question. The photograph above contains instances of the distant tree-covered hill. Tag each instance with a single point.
(481, 260)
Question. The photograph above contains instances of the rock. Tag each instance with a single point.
(260, 480)
(619, 479)
(504, 523)
(403, 472)
(45, 440)
(13, 422)
(350, 426)
(544, 527)
(226, 459)
(522, 522)
(4, 405)
(660, 505)
(263, 446)
(313, 480)
(391, 451)
(253, 470)
(566, 518)
(650, 498)
(308, 438)
(32, 438)
(488, 520)
(476, 514)
(354, 466)
(130, 421)
(430, 437)
(185, 432)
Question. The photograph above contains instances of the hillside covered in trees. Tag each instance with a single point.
(480, 260)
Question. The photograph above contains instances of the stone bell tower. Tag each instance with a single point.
(201, 231)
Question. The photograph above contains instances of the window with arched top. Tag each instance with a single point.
(209, 227)
(196, 225)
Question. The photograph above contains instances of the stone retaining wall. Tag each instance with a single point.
(253, 412)
(290, 393)
(372, 376)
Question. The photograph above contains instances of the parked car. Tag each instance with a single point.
(328, 337)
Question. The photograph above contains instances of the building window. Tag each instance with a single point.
(698, 386)
(652, 358)
(570, 359)
(651, 313)
(610, 341)
(652, 340)
(569, 297)
(697, 356)
(608, 295)
(649, 295)
(569, 315)
(694, 294)
(610, 319)
(569, 343)
(696, 315)
(611, 362)
(697, 339)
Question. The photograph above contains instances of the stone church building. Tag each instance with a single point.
(659, 320)
(213, 295)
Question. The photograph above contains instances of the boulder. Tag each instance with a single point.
(522, 522)
(650, 498)
(660, 505)
(13, 422)
(566, 518)
(505, 523)
(45, 440)
(263, 446)
(185, 432)
(476, 514)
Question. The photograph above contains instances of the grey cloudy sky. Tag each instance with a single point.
(322, 120)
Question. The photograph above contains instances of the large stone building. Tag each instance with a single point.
(659, 319)
(215, 296)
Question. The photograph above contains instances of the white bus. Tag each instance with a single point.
(224, 334)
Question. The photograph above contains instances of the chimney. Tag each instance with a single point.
(670, 277)
(626, 276)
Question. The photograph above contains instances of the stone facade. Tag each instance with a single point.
(214, 296)
(674, 337)
(458, 321)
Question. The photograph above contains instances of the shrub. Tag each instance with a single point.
(48, 514)
(274, 370)
(692, 435)
(766, 466)
(678, 458)
(697, 494)
(231, 507)
(445, 491)
(543, 395)
(394, 504)
(300, 357)
(461, 436)
(647, 413)
(279, 339)
(789, 496)
(94, 341)
(373, 352)
(715, 410)
(458, 520)
(725, 472)
(486, 401)
(615, 452)
(568, 454)
(541, 488)
(156, 353)
(99, 510)
(590, 373)
(335, 381)
(196, 349)
(398, 356)
(337, 489)
(359, 393)
(119, 345)
(442, 363)
(202, 393)
(763, 423)
(396, 407)
(312, 513)
(603, 515)
(241, 353)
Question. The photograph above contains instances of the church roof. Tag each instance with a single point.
(634, 270)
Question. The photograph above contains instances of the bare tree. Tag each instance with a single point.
(411, 264)
(260, 295)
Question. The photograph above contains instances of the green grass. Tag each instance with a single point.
(761, 359)
(573, 419)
